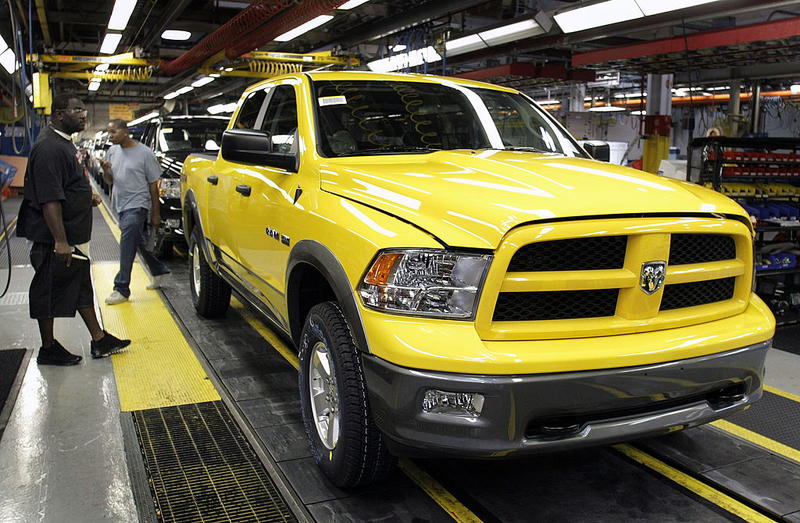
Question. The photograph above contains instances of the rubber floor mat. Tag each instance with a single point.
(202, 468)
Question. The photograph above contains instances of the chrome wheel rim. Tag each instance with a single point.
(324, 396)
(196, 270)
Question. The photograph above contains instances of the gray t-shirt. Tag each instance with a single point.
(133, 170)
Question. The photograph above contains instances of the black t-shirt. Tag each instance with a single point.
(54, 175)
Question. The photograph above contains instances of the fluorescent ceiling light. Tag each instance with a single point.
(3, 45)
(144, 118)
(306, 27)
(511, 32)
(466, 44)
(598, 15)
(9, 61)
(606, 109)
(654, 7)
(110, 43)
(547, 102)
(121, 14)
(637, 113)
(352, 4)
(795, 89)
(203, 81)
(184, 90)
(102, 67)
(94, 86)
(222, 108)
(175, 34)
(404, 60)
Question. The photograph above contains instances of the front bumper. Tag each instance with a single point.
(525, 414)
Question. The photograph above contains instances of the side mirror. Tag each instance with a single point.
(597, 149)
(255, 148)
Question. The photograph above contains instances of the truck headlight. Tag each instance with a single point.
(434, 283)
(169, 188)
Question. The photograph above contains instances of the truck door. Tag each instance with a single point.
(266, 226)
(227, 202)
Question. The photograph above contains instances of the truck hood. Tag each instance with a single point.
(472, 199)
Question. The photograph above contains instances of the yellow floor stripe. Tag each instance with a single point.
(159, 369)
(438, 493)
(110, 221)
(266, 333)
(698, 487)
(10, 226)
(779, 392)
(763, 441)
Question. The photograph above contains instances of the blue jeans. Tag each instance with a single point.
(132, 230)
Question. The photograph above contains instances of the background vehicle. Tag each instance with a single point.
(172, 138)
(461, 279)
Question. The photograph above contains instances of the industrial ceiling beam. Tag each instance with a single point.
(775, 30)
(40, 10)
(530, 70)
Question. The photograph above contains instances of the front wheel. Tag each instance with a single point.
(211, 296)
(345, 442)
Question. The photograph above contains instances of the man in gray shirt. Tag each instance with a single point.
(134, 171)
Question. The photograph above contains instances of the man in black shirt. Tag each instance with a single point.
(56, 215)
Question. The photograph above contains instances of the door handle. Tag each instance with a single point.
(213, 180)
(243, 189)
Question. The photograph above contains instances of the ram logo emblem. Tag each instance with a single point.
(652, 277)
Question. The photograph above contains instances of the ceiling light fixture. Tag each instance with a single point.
(203, 81)
(606, 109)
(306, 27)
(222, 108)
(110, 43)
(615, 11)
(148, 116)
(9, 61)
(352, 4)
(176, 34)
(405, 60)
(94, 86)
(540, 24)
(123, 9)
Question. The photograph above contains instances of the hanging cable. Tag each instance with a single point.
(5, 237)
(19, 56)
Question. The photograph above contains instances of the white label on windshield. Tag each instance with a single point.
(332, 100)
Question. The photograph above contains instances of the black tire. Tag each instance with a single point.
(351, 452)
(211, 296)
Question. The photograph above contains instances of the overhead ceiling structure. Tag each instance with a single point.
(531, 45)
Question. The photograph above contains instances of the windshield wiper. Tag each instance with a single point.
(526, 148)
(391, 149)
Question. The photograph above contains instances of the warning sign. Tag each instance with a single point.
(120, 111)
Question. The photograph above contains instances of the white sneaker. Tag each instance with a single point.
(115, 298)
(157, 282)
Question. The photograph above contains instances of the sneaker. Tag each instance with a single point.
(108, 345)
(116, 298)
(157, 282)
(56, 354)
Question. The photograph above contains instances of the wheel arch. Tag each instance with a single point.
(191, 220)
(314, 275)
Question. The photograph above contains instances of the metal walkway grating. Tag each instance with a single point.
(201, 467)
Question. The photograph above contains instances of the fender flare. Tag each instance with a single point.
(311, 252)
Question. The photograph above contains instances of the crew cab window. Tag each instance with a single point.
(251, 109)
(280, 120)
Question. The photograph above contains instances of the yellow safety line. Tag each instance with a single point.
(779, 392)
(10, 226)
(266, 333)
(157, 345)
(698, 487)
(438, 493)
(763, 441)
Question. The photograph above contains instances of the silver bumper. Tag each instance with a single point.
(527, 414)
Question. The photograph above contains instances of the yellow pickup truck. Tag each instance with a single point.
(461, 279)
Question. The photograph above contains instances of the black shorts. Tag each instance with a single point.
(58, 291)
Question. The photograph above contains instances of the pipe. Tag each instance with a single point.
(306, 11)
(250, 18)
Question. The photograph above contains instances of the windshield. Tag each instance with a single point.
(404, 117)
(191, 136)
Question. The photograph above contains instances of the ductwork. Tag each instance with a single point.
(306, 11)
(249, 19)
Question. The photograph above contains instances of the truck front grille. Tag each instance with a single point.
(697, 293)
(583, 278)
(558, 305)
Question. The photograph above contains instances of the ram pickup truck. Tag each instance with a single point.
(461, 279)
